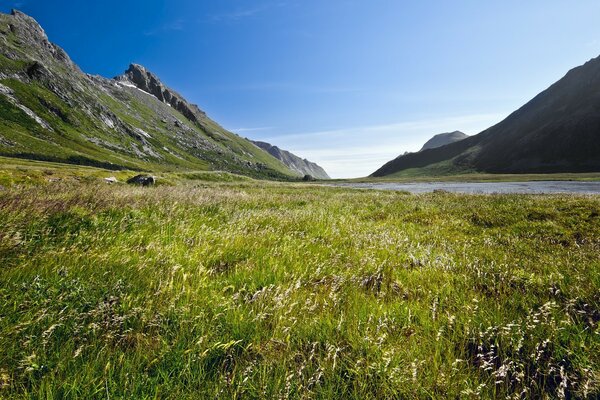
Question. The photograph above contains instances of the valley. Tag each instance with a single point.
(147, 252)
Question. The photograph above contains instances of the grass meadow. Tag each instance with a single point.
(263, 290)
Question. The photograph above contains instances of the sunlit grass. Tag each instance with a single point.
(254, 290)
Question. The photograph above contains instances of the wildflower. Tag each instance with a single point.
(413, 366)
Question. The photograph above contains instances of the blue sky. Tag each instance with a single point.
(349, 84)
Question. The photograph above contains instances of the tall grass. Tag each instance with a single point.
(248, 290)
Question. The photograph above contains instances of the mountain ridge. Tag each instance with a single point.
(51, 110)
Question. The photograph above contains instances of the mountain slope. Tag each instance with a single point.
(295, 163)
(51, 110)
(557, 131)
(443, 139)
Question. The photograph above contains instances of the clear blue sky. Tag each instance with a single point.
(349, 84)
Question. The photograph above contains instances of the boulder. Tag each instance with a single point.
(144, 180)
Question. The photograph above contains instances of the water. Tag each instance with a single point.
(533, 187)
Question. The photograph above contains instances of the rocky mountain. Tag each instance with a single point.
(295, 163)
(443, 139)
(557, 131)
(51, 110)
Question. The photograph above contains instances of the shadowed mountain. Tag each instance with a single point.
(557, 131)
(51, 110)
(295, 163)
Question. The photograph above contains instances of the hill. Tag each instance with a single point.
(50, 110)
(557, 131)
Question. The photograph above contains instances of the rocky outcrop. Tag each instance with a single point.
(29, 34)
(301, 166)
(149, 83)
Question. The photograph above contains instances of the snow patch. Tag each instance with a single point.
(127, 84)
(132, 86)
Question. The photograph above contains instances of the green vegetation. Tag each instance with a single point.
(26, 172)
(440, 169)
(69, 141)
(8, 65)
(247, 289)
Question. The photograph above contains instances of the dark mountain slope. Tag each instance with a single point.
(557, 131)
(50, 110)
(295, 163)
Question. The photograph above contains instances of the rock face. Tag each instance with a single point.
(50, 110)
(443, 139)
(295, 163)
(148, 82)
(557, 131)
(31, 35)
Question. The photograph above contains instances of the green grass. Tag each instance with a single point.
(11, 66)
(247, 289)
(26, 172)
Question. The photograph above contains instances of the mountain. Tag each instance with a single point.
(557, 131)
(443, 139)
(51, 110)
(295, 163)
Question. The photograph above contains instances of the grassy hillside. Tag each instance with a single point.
(51, 111)
(248, 290)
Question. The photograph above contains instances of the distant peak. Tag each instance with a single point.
(443, 139)
(301, 166)
(455, 133)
